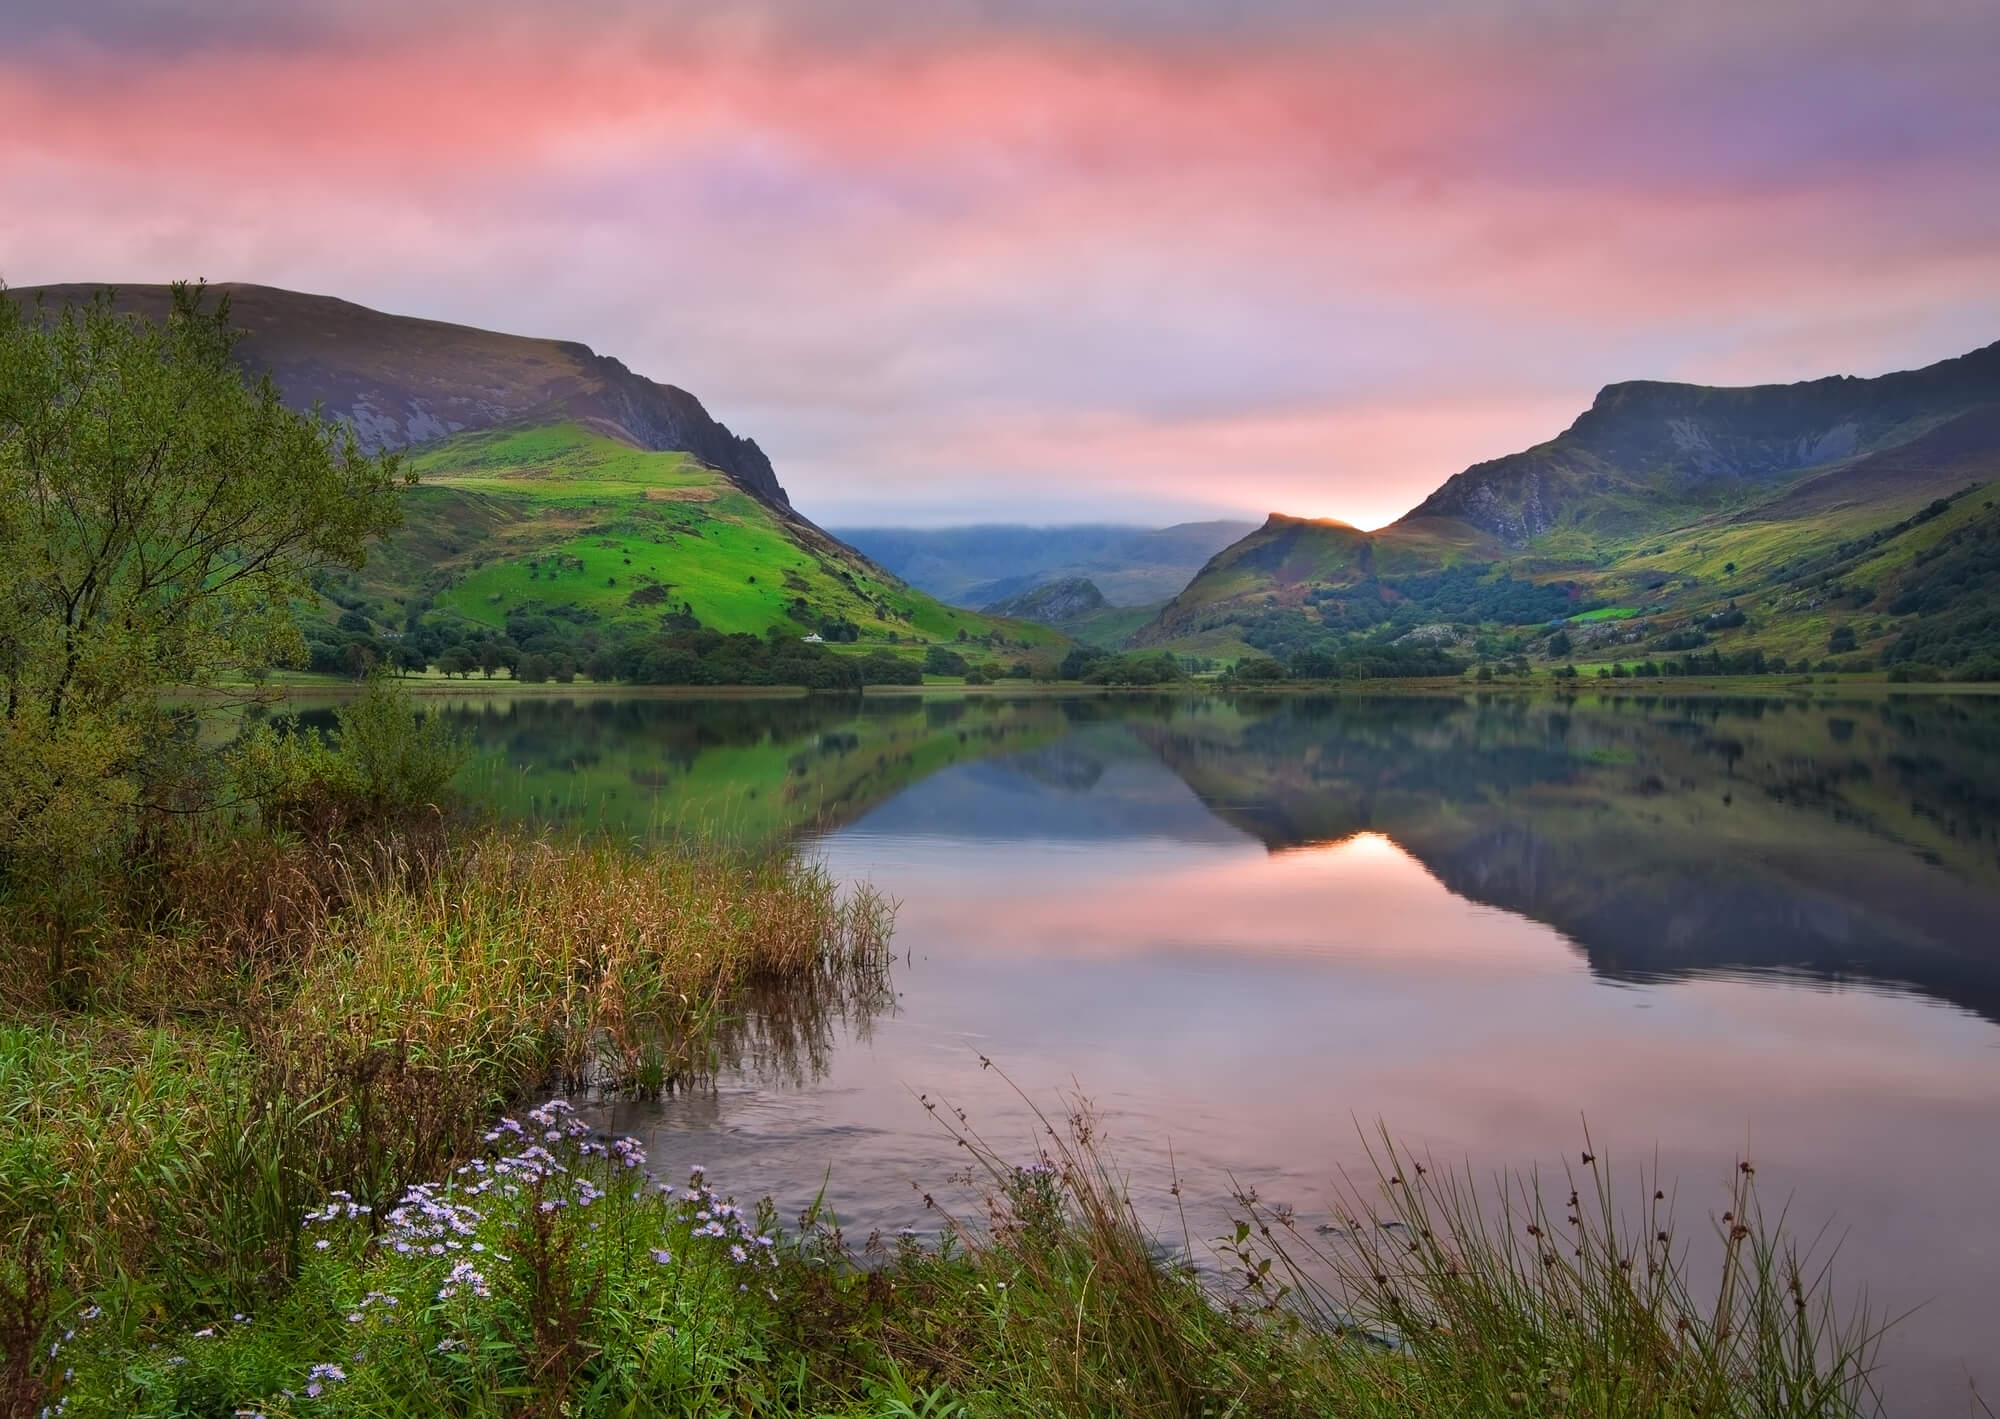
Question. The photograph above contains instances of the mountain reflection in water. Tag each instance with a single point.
(1836, 840)
(1250, 929)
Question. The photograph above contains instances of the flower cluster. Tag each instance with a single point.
(341, 1207)
(427, 1222)
(441, 1239)
(718, 1218)
(464, 1277)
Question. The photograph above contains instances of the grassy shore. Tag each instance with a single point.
(269, 1144)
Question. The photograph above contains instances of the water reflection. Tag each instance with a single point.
(1837, 841)
(1248, 930)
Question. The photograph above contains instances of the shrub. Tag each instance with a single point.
(939, 661)
(881, 667)
(1258, 669)
(384, 761)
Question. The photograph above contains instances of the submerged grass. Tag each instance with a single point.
(268, 1032)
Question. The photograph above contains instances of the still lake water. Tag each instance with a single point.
(1249, 930)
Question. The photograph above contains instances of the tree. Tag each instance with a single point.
(158, 517)
(455, 661)
(1256, 668)
(533, 669)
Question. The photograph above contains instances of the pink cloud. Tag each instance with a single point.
(1318, 275)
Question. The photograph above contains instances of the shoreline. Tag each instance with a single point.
(1763, 686)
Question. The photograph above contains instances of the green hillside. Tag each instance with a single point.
(1843, 523)
(558, 523)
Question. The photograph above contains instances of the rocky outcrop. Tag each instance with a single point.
(1052, 604)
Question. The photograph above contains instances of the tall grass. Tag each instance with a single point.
(1431, 1295)
(256, 1018)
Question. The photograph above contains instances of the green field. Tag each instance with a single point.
(561, 517)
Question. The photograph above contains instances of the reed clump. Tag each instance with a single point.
(1427, 1294)
(261, 1015)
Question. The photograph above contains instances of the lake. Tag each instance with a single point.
(1250, 930)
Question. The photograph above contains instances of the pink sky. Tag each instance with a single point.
(1096, 260)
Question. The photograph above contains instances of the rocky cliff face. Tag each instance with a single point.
(1644, 444)
(401, 381)
(1053, 603)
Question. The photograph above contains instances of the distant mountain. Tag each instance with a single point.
(976, 566)
(1830, 518)
(1053, 602)
(1074, 606)
(401, 381)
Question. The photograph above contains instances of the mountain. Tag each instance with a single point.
(1644, 450)
(979, 565)
(1074, 606)
(1837, 517)
(402, 381)
(563, 500)
(1052, 603)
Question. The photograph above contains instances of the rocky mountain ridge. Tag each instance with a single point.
(1645, 445)
(401, 381)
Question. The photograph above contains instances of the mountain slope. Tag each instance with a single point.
(975, 566)
(1668, 518)
(1645, 450)
(402, 381)
(1312, 570)
(507, 525)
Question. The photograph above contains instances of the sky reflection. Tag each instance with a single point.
(1245, 1016)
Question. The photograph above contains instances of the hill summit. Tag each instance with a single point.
(1646, 449)
(399, 380)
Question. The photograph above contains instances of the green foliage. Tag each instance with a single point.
(711, 658)
(1096, 666)
(158, 518)
(1257, 669)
